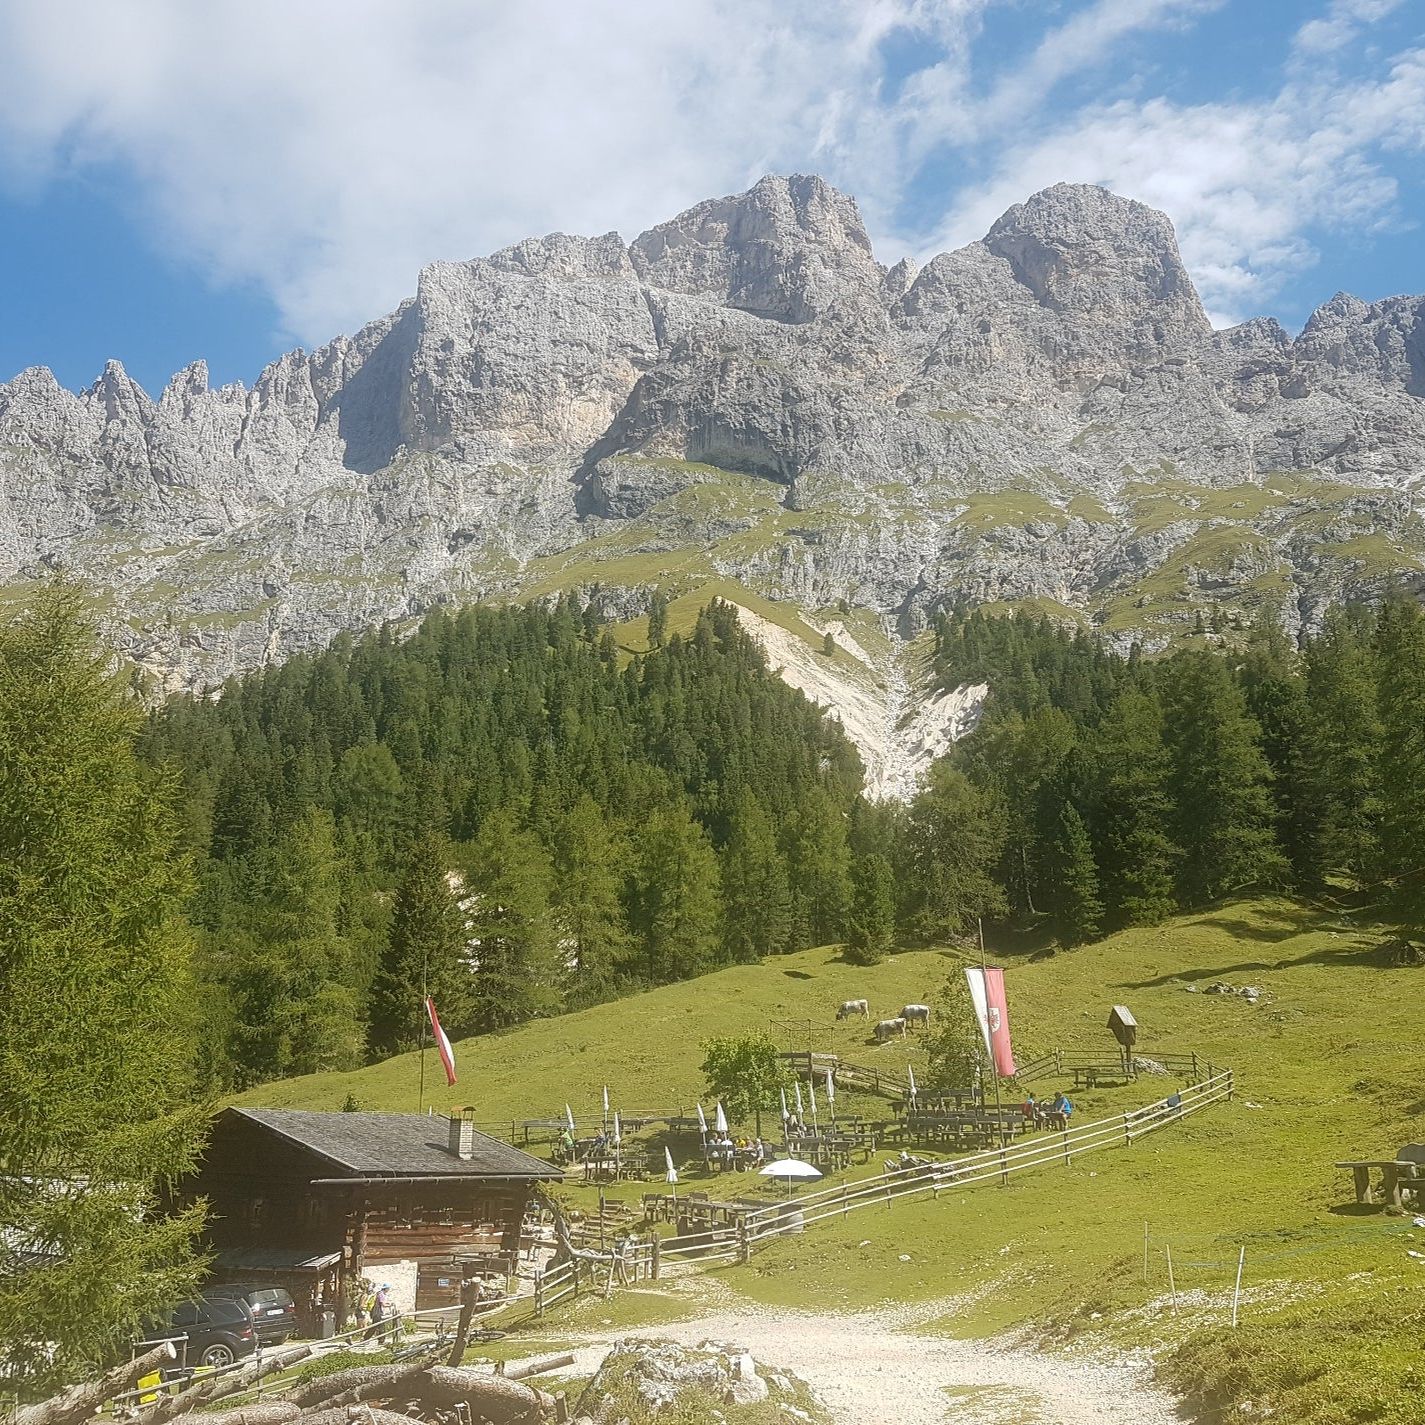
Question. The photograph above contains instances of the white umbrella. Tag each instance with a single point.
(702, 1121)
(784, 1107)
(811, 1091)
(790, 1170)
(618, 1130)
(569, 1117)
(672, 1176)
(721, 1120)
(911, 1072)
(606, 1100)
(798, 1087)
(830, 1088)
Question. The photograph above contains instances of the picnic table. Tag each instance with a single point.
(610, 1167)
(1399, 1175)
(965, 1122)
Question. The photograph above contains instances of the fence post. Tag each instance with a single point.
(539, 1291)
(1237, 1289)
(744, 1242)
(1127, 1132)
(1003, 1169)
(844, 1208)
(653, 1263)
(1067, 1159)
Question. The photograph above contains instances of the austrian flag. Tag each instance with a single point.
(447, 1054)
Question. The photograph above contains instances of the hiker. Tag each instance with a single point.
(382, 1312)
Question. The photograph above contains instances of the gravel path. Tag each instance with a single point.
(870, 1368)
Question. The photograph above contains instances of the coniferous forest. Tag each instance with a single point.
(505, 810)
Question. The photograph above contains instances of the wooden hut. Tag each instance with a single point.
(316, 1201)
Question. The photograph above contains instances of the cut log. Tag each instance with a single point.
(79, 1402)
(358, 1383)
(352, 1415)
(525, 1369)
(263, 1412)
(497, 1399)
(205, 1389)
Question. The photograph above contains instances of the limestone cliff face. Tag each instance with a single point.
(745, 393)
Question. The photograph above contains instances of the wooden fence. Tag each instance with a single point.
(993, 1165)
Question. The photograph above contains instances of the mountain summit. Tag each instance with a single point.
(745, 394)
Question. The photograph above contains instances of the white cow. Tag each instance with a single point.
(852, 1007)
(916, 1014)
(888, 1029)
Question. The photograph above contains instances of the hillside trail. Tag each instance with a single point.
(873, 1367)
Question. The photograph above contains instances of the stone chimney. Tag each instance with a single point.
(462, 1133)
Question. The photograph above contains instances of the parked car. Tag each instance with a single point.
(219, 1331)
(274, 1313)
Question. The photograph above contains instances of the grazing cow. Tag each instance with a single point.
(887, 1029)
(916, 1014)
(851, 1007)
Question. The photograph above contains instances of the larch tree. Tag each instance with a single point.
(95, 1027)
(1222, 784)
(590, 860)
(425, 954)
(1078, 905)
(755, 892)
(513, 935)
(871, 926)
(677, 899)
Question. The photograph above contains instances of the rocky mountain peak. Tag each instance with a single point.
(1082, 250)
(787, 249)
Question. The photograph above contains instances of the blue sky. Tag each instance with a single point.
(228, 180)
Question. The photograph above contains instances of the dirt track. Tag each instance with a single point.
(871, 1368)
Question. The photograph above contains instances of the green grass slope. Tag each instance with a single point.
(1328, 1065)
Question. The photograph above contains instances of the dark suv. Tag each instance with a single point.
(219, 1331)
(274, 1313)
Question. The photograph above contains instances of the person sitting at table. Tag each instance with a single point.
(1061, 1108)
(599, 1148)
(759, 1152)
(1030, 1107)
(564, 1149)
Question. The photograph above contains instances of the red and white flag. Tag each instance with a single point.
(987, 991)
(447, 1054)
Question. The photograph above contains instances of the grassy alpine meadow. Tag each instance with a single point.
(1327, 1063)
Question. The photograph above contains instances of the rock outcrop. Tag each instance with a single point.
(745, 393)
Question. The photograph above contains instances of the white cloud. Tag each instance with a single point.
(1243, 182)
(329, 149)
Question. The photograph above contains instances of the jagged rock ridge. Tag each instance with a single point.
(745, 393)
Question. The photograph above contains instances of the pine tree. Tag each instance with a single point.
(677, 904)
(425, 954)
(1224, 813)
(819, 863)
(1134, 809)
(657, 619)
(1341, 746)
(954, 838)
(1400, 661)
(872, 924)
(518, 972)
(589, 864)
(756, 895)
(1078, 907)
(96, 1030)
(298, 1007)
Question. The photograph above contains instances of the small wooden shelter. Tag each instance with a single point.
(316, 1201)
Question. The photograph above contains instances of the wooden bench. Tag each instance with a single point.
(1398, 1175)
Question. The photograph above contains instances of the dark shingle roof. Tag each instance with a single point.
(395, 1145)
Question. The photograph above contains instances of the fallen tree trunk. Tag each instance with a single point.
(79, 1402)
(205, 1389)
(264, 1412)
(497, 1399)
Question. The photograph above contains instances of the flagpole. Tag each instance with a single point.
(425, 1014)
(994, 1068)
